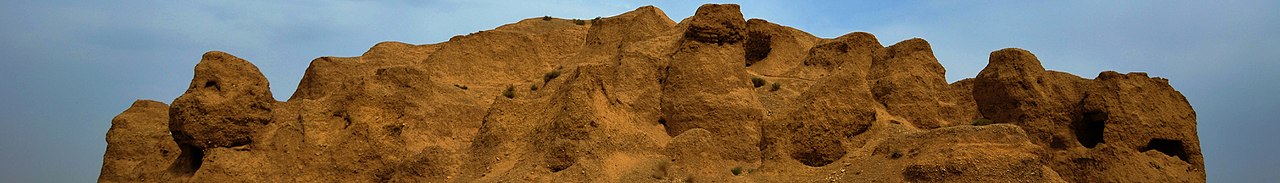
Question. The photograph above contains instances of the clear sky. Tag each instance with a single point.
(68, 67)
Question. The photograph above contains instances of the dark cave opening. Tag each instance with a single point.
(212, 85)
(189, 161)
(757, 47)
(1166, 146)
(1089, 128)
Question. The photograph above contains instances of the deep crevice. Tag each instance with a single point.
(1166, 146)
(189, 161)
(1089, 128)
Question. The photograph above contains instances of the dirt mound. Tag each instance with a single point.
(638, 97)
(142, 146)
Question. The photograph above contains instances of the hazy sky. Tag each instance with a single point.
(68, 67)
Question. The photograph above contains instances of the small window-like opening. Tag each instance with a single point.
(1166, 146)
(212, 85)
(1089, 128)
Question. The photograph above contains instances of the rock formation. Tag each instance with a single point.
(637, 97)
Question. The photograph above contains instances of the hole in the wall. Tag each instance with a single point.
(1166, 146)
(212, 85)
(189, 161)
(1089, 128)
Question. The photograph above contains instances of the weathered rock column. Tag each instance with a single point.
(707, 86)
(228, 99)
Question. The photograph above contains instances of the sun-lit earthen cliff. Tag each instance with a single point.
(638, 97)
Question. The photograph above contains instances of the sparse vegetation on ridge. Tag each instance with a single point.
(981, 122)
(510, 92)
(887, 114)
(550, 76)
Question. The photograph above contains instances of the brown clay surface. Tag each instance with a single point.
(638, 97)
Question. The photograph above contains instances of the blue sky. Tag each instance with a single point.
(70, 66)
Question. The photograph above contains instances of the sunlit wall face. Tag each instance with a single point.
(69, 66)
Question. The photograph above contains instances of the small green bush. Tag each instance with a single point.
(546, 18)
(579, 22)
(736, 171)
(981, 122)
(775, 86)
(595, 21)
(510, 92)
(533, 87)
(550, 76)
(757, 81)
